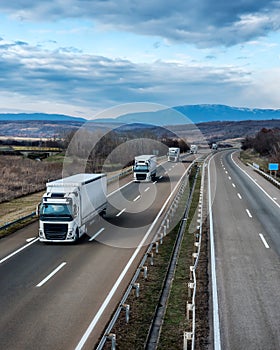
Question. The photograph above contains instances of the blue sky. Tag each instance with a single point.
(81, 57)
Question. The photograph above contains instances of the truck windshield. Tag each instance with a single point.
(141, 168)
(51, 211)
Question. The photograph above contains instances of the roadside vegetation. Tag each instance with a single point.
(88, 152)
(263, 148)
(133, 335)
(22, 176)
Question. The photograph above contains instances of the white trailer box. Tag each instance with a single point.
(69, 204)
(145, 167)
(173, 154)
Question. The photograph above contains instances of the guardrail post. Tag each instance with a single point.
(156, 245)
(145, 271)
(151, 255)
(187, 336)
(136, 286)
(190, 287)
(167, 225)
(195, 256)
(112, 337)
(190, 307)
(126, 307)
(191, 272)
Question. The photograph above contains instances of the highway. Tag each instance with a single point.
(60, 296)
(246, 229)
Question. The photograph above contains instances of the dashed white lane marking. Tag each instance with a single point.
(239, 195)
(120, 213)
(249, 214)
(51, 275)
(263, 240)
(233, 185)
(226, 172)
(229, 177)
(147, 189)
(160, 177)
(19, 250)
(154, 182)
(97, 234)
(136, 199)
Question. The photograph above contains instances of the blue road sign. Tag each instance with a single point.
(273, 166)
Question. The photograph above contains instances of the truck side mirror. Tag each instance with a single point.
(38, 209)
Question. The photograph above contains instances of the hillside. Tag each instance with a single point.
(214, 122)
(177, 115)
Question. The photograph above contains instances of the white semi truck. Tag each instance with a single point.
(145, 167)
(173, 154)
(193, 149)
(69, 204)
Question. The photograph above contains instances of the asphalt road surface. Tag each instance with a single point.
(60, 296)
(246, 225)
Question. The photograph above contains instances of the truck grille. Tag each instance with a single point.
(55, 231)
(141, 176)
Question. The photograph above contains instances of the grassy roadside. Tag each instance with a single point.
(175, 321)
(249, 156)
(16, 209)
(133, 335)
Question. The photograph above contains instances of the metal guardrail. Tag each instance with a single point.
(268, 177)
(158, 239)
(190, 335)
(9, 224)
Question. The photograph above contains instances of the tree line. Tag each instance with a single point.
(266, 142)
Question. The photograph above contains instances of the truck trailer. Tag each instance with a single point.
(173, 154)
(69, 204)
(145, 167)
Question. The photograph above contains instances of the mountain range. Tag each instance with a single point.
(171, 116)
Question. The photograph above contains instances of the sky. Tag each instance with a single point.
(83, 57)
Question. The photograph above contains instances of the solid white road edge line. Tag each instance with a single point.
(278, 205)
(263, 240)
(51, 274)
(17, 251)
(124, 271)
(30, 239)
(216, 320)
(97, 234)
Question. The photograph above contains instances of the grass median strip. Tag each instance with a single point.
(133, 335)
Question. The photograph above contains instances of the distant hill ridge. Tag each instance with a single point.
(39, 117)
(171, 116)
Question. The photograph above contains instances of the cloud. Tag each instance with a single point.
(205, 23)
(64, 76)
